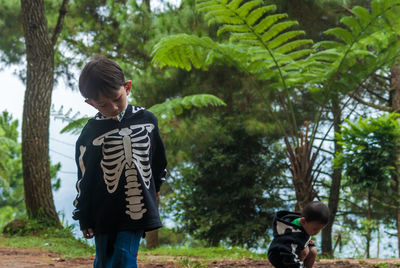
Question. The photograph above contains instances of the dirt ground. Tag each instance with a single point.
(27, 258)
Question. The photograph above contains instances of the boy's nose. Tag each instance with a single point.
(115, 107)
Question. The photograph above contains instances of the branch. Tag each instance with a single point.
(323, 150)
(57, 30)
(370, 91)
(375, 106)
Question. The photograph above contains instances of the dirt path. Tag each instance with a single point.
(27, 258)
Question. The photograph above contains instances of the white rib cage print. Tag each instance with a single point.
(127, 149)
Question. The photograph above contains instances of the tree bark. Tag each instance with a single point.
(152, 236)
(152, 239)
(395, 104)
(334, 192)
(36, 115)
(301, 164)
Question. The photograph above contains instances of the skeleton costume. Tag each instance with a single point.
(121, 165)
(289, 240)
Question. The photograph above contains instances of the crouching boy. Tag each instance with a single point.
(292, 246)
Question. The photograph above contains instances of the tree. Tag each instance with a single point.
(11, 179)
(368, 157)
(262, 45)
(227, 192)
(11, 196)
(40, 47)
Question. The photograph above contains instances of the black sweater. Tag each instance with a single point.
(121, 166)
(289, 239)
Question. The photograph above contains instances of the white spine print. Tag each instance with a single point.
(127, 149)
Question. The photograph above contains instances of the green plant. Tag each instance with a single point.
(186, 262)
(264, 45)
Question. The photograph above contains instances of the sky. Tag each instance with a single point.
(62, 148)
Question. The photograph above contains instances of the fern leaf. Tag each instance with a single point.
(245, 9)
(233, 5)
(76, 126)
(179, 51)
(376, 8)
(268, 22)
(300, 53)
(341, 34)
(352, 24)
(327, 45)
(233, 28)
(284, 38)
(291, 46)
(362, 15)
(171, 108)
(277, 29)
(242, 36)
(256, 14)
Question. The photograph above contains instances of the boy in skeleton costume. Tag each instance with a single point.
(292, 246)
(121, 165)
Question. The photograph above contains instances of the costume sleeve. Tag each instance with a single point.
(159, 160)
(82, 200)
(290, 257)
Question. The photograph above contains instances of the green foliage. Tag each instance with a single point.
(262, 44)
(369, 151)
(164, 111)
(11, 179)
(366, 42)
(227, 192)
(75, 127)
(209, 253)
(34, 234)
(188, 263)
(11, 184)
(172, 108)
(368, 159)
(11, 44)
(171, 237)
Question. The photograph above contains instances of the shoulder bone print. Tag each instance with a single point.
(127, 149)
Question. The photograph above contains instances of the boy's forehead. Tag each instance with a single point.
(101, 97)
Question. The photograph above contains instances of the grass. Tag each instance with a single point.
(33, 234)
(66, 247)
(62, 241)
(213, 253)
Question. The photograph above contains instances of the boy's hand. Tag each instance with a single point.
(88, 233)
(158, 196)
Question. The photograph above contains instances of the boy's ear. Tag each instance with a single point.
(302, 220)
(90, 102)
(128, 86)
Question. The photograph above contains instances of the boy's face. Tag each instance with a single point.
(312, 227)
(113, 106)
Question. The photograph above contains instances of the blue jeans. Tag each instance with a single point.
(117, 250)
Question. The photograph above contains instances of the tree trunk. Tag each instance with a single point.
(301, 164)
(152, 239)
(36, 115)
(335, 185)
(152, 236)
(369, 231)
(395, 104)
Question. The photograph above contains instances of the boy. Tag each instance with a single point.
(292, 246)
(121, 166)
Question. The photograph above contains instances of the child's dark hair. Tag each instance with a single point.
(316, 211)
(100, 75)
